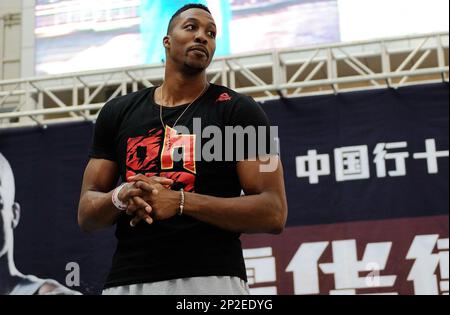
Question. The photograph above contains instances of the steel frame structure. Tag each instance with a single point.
(283, 73)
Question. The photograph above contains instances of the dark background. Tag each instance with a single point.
(48, 166)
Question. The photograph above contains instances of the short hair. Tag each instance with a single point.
(185, 8)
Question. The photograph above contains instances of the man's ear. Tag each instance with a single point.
(166, 41)
(16, 214)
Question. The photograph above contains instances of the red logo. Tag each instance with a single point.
(152, 155)
(172, 141)
(224, 97)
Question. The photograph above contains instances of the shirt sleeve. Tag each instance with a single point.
(105, 131)
(253, 134)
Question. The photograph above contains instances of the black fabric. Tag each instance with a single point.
(129, 131)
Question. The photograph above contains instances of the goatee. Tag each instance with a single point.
(191, 71)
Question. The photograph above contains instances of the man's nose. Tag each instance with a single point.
(201, 38)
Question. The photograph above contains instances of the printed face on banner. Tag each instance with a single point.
(12, 281)
(8, 208)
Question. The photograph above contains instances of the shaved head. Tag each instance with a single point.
(8, 208)
(181, 10)
(7, 185)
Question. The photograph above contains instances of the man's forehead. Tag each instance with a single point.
(197, 14)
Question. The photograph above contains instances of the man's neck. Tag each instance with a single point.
(181, 89)
(7, 280)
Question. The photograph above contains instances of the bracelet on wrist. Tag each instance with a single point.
(180, 211)
(119, 204)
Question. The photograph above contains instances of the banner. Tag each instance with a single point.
(366, 177)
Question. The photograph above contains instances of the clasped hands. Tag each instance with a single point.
(149, 198)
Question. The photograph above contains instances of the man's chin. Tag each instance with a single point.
(194, 67)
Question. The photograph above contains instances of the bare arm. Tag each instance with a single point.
(95, 209)
(262, 210)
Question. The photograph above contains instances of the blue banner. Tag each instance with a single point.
(363, 157)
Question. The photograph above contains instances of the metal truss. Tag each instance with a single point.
(284, 73)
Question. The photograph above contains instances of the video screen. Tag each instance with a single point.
(80, 35)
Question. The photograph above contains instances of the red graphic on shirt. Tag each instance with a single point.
(145, 155)
(143, 151)
(223, 97)
(174, 141)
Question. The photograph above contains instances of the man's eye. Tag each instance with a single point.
(190, 27)
(212, 34)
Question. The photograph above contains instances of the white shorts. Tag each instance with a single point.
(187, 286)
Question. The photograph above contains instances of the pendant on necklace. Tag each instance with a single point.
(168, 142)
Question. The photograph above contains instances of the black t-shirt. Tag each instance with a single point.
(129, 131)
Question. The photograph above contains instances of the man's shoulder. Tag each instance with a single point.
(127, 100)
(223, 94)
(30, 285)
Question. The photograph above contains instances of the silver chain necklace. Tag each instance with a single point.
(176, 121)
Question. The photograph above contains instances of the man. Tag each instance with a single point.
(186, 212)
(13, 282)
(155, 13)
